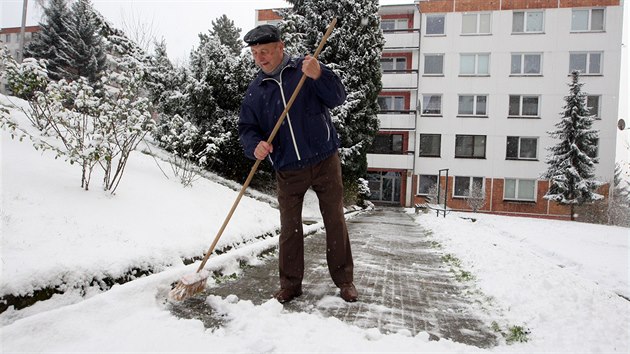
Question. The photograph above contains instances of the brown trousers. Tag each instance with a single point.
(325, 179)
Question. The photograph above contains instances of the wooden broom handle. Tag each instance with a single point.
(331, 26)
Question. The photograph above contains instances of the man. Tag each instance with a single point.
(303, 154)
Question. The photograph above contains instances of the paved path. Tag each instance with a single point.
(402, 281)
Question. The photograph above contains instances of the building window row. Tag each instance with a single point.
(514, 189)
(478, 64)
(523, 22)
(474, 147)
(520, 106)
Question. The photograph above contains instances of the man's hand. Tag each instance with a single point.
(310, 67)
(262, 150)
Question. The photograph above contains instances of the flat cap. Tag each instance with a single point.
(262, 34)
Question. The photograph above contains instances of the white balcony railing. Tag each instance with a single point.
(400, 39)
(404, 121)
(404, 162)
(400, 80)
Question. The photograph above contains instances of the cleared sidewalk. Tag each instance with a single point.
(403, 284)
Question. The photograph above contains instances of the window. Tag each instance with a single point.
(470, 146)
(432, 105)
(476, 23)
(463, 185)
(435, 24)
(527, 22)
(425, 183)
(391, 103)
(526, 64)
(387, 144)
(430, 145)
(434, 64)
(393, 64)
(586, 63)
(7, 38)
(394, 24)
(524, 106)
(474, 64)
(472, 105)
(519, 189)
(593, 105)
(587, 20)
(520, 148)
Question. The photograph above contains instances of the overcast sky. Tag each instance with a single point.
(177, 21)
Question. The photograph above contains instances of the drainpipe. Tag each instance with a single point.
(418, 104)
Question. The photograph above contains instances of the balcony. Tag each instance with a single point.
(402, 39)
(397, 120)
(400, 79)
(388, 161)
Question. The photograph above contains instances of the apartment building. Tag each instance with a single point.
(471, 88)
(493, 78)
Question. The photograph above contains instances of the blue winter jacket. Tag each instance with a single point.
(307, 135)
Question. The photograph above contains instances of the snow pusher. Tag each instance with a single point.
(191, 284)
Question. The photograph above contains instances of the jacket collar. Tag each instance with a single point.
(293, 63)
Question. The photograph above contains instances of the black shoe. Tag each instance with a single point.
(286, 295)
(349, 292)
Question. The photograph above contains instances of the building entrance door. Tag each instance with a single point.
(385, 187)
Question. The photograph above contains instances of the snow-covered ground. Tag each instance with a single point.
(558, 279)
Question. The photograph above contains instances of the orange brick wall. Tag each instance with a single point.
(529, 4)
(437, 6)
(476, 5)
(267, 15)
(496, 205)
(585, 3)
(18, 29)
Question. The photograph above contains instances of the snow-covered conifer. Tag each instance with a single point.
(165, 83)
(85, 52)
(571, 170)
(228, 34)
(353, 51)
(52, 39)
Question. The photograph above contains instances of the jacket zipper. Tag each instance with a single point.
(284, 102)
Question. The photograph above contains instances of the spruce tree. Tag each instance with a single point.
(165, 83)
(85, 53)
(229, 35)
(52, 39)
(353, 51)
(571, 170)
(218, 80)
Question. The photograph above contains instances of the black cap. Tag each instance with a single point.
(262, 34)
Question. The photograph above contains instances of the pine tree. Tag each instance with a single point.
(85, 53)
(571, 170)
(353, 51)
(165, 83)
(52, 39)
(218, 80)
(229, 35)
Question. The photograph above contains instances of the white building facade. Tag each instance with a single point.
(471, 89)
(494, 75)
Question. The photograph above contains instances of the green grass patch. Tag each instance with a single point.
(513, 334)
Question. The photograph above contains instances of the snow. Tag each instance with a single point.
(558, 279)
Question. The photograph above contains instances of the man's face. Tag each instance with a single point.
(268, 56)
